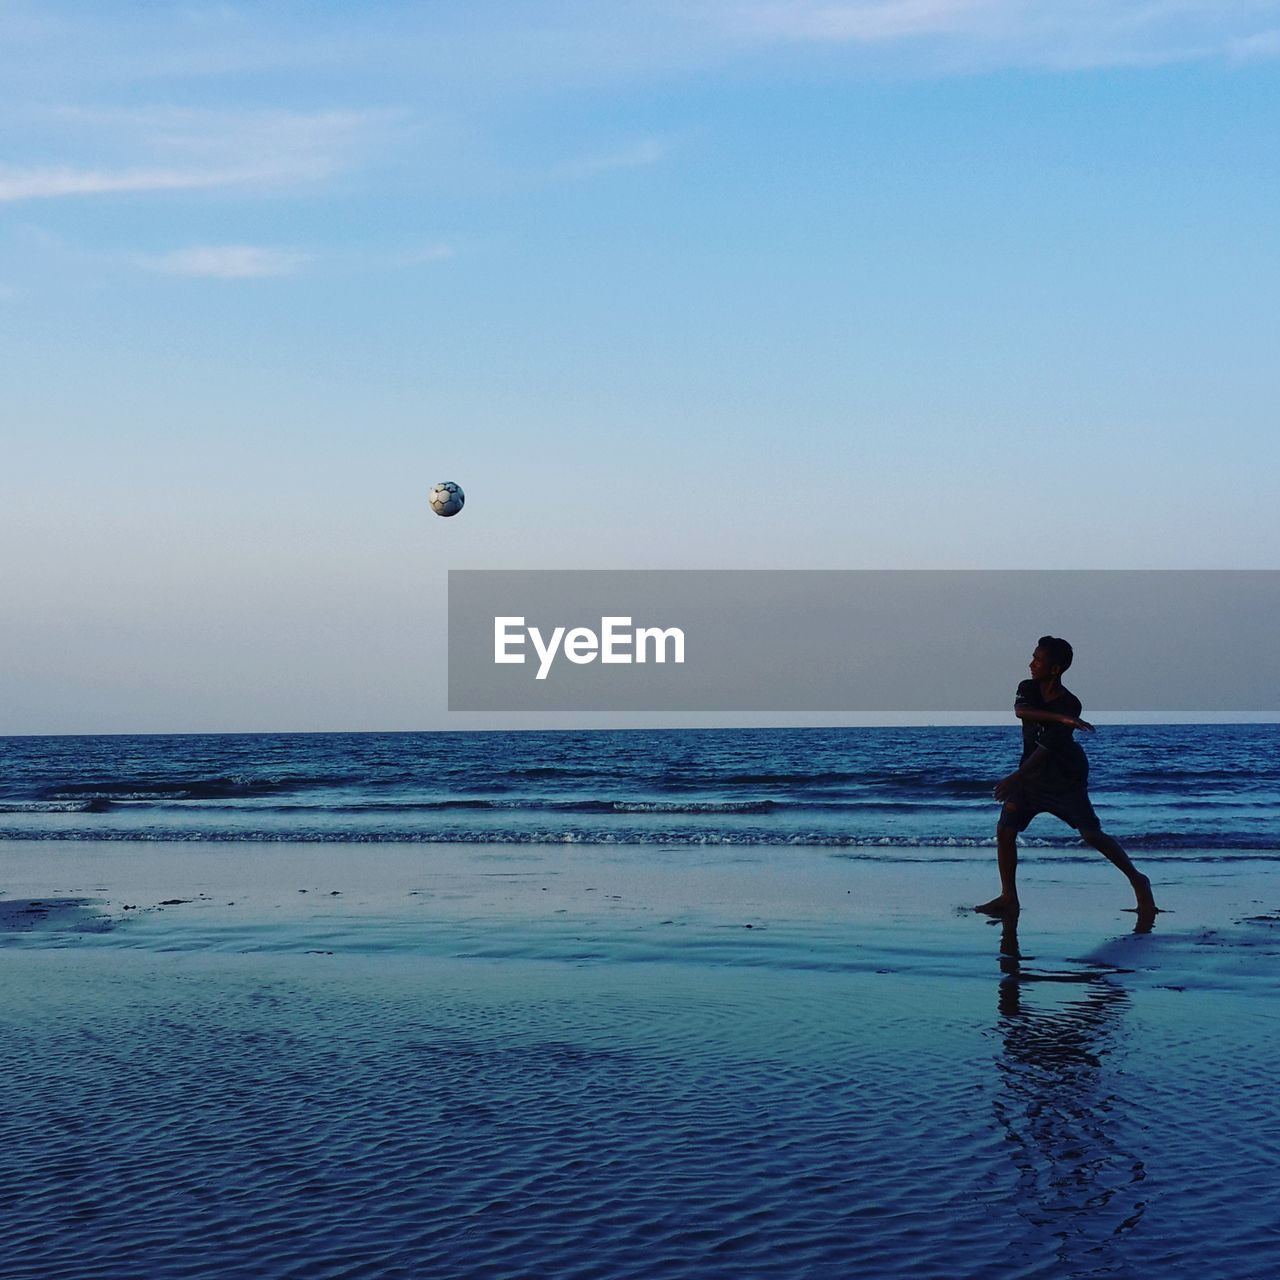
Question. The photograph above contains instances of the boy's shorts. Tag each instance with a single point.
(1073, 807)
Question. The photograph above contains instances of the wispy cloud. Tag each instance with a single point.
(638, 155)
(1265, 44)
(453, 54)
(1061, 33)
(48, 183)
(311, 134)
(191, 150)
(226, 262)
(427, 254)
(866, 21)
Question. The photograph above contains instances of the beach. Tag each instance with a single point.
(466, 1060)
(604, 609)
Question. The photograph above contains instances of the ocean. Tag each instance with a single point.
(1175, 792)
(678, 1005)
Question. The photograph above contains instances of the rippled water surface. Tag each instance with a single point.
(455, 1122)
(1174, 790)
(693, 1005)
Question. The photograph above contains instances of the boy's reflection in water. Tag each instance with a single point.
(1078, 1186)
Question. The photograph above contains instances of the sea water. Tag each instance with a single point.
(1176, 792)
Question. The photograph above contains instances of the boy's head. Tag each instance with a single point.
(1052, 657)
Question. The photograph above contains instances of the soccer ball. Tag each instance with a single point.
(447, 498)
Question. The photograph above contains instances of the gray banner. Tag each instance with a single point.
(857, 640)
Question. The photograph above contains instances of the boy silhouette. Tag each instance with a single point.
(1053, 777)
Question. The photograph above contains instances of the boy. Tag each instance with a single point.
(1053, 777)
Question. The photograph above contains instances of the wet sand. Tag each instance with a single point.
(442, 1061)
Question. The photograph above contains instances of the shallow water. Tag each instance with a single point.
(494, 1062)
(243, 1117)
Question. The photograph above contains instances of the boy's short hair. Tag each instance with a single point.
(1059, 651)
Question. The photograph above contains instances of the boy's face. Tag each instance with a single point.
(1041, 667)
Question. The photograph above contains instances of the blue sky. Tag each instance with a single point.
(916, 283)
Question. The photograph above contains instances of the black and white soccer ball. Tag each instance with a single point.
(447, 498)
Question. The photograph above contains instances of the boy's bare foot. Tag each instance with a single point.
(1146, 920)
(1000, 906)
(1146, 899)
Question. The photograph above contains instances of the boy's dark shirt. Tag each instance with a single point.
(1067, 768)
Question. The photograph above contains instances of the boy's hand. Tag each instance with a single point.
(1085, 725)
(1005, 787)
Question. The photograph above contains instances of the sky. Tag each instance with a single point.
(713, 284)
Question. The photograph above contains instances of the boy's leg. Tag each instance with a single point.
(1114, 854)
(1007, 862)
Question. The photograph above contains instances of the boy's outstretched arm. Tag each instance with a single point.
(1032, 764)
(1052, 717)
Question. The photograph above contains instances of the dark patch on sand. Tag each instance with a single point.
(52, 915)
